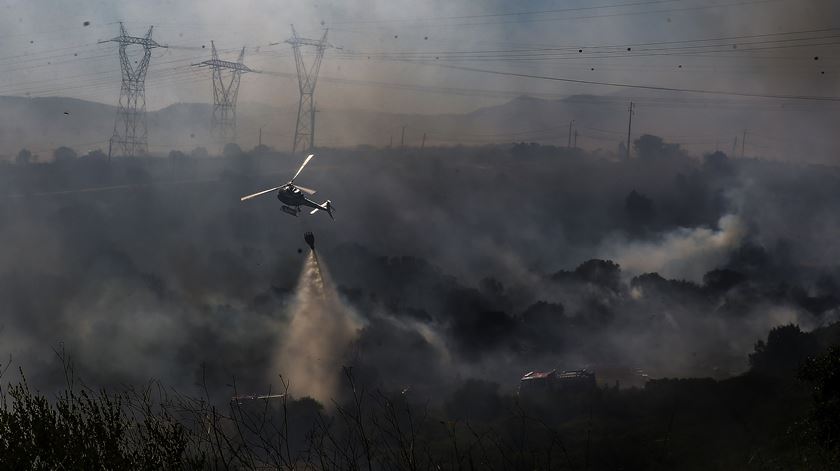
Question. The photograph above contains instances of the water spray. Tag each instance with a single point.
(320, 331)
(310, 240)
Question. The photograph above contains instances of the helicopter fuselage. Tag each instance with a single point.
(293, 198)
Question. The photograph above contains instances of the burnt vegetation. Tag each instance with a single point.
(468, 267)
(753, 421)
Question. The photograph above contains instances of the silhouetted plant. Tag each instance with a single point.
(822, 427)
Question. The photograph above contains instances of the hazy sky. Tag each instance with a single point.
(46, 49)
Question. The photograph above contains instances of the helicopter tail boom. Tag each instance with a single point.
(325, 206)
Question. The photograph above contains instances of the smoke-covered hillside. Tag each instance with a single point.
(458, 263)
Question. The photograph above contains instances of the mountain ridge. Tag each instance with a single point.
(44, 123)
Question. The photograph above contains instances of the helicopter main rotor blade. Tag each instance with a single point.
(301, 167)
(308, 191)
(260, 193)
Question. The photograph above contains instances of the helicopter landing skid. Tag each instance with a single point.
(291, 211)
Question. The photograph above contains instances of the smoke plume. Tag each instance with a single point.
(685, 253)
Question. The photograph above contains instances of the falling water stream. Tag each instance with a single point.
(320, 330)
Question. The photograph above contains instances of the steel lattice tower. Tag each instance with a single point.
(130, 133)
(307, 77)
(225, 93)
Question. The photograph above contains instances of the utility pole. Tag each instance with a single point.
(260, 138)
(569, 143)
(130, 133)
(630, 127)
(307, 78)
(225, 93)
(734, 146)
(423, 142)
(402, 139)
(743, 143)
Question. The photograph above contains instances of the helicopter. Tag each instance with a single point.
(294, 196)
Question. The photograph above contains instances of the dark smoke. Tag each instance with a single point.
(460, 263)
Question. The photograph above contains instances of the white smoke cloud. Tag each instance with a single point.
(686, 253)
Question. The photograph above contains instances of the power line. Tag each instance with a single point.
(30, 55)
(644, 87)
(88, 84)
(495, 15)
(444, 90)
(548, 55)
(588, 48)
(610, 15)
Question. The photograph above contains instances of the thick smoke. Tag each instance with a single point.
(314, 345)
(458, 262)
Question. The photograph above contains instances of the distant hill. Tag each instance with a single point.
(793, 130)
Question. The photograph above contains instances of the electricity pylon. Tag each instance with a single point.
(130, 132)
(225, 93)
(307, 77)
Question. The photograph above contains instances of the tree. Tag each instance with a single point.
(822, 426)
(475, 400)
(639, 210)
(64, 154)
(605, 273)
(545, 326)
(787, 347)
(24, 157)
(722, 280)
(96, 155)
(177, 155)
(524, 149)
(717, 162)
(649, 147)
(199, 153)
(261, 149)
(232, 150)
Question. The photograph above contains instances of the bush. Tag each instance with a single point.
(822, 427)
(64, 154)
(787, 347)
(86, 430)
